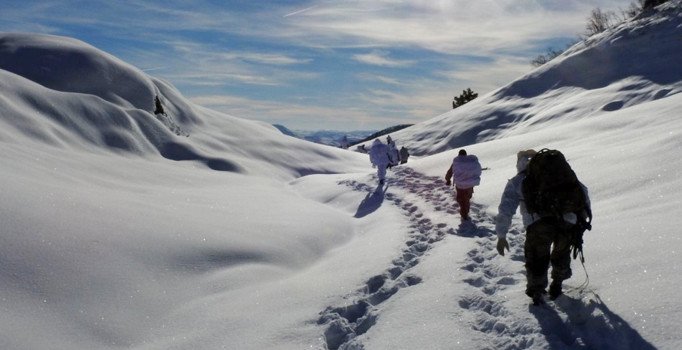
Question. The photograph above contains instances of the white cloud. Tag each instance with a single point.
(484, 78)
(399, 102)
(424, 98)
(265, 58)
(380, 78)
(293, 115)
(505, 32)
(202, 64)
(380, 58)
(453, 27)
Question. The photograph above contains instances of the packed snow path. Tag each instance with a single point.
(577, 320)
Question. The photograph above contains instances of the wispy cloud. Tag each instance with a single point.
(204, 64)
(453, 27)
(152, 69)
(380, 58)
(297, 12)
(294, 115)
(499, 72)
(278, 61)
(266, 58)
(380, 78)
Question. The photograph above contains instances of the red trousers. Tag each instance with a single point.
(464, 200)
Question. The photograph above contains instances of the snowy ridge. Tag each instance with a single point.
(61, 92)
(617, 69)
(68, 65)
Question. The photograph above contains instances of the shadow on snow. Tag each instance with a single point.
(372, 202)
(588, 324)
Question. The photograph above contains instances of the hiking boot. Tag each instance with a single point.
(536, 295)
(530, 292)
(537, 298)
(555, 290)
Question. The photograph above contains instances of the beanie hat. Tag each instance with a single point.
(522, 159)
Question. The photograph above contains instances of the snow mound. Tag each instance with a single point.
(68, 65)
(64, 93)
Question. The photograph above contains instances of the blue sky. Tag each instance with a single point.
(319, 64)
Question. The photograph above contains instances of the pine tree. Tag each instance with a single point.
(466, 96)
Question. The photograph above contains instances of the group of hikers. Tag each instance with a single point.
(386, 155)
(554, 206)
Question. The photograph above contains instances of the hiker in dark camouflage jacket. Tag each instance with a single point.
(547, 238)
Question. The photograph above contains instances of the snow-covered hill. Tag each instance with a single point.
(118, 232)
(632, 64)
(63, 92)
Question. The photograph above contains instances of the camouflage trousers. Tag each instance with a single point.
(463, 198)
(547, 242)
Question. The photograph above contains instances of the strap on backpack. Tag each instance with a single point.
(577, 235)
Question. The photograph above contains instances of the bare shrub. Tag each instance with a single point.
(599, 21)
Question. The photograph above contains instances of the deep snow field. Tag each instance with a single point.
(120, 229)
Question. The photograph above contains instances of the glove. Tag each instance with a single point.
(501, 245)
(448, 183)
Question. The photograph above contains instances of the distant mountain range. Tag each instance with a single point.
(335, 138)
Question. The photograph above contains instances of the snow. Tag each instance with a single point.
(118, 231)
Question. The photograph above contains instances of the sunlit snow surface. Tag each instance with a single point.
(120, 229)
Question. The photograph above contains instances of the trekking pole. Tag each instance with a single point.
(584, 285)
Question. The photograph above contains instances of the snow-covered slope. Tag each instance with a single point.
(632, 64)
(113, 219)
(62, 92)
(107, 243)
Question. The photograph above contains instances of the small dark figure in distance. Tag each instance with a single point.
(404, 154)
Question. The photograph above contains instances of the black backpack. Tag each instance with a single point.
(551, 189)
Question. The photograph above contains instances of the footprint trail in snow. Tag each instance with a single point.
(569, 323)
(345, 323)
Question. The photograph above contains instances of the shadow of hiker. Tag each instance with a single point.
(372, 202)
(590, 324)
(468, 228)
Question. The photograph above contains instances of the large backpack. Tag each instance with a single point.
(551, 188)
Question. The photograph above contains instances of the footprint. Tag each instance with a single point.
(374, 283)
(475, 281)
(507, 281)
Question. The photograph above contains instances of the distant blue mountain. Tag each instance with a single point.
(327, 137)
